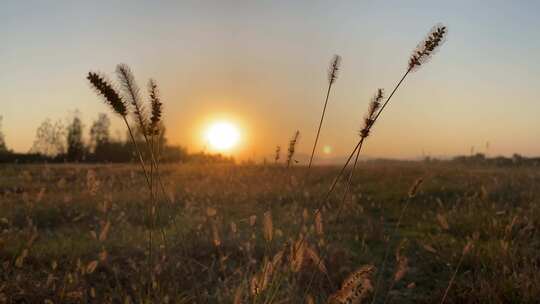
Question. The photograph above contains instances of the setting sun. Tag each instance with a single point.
(222, 135)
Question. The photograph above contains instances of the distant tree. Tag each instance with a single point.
(3, 147)
(99, 133)
(49, 139)
(75, 145)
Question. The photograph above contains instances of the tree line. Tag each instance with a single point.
(56, 143)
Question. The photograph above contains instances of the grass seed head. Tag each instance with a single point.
(292, 148)
(374, 106)
(104, 88)
(131, 92)
(319, 223)
(414, 189)
(268, 226)
(334, 68)
(356, 288)
(156, 105)
(426, 48)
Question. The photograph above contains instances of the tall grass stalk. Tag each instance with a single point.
(119, 106)
(466, 250)
(332, 76)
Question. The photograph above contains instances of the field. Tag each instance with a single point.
(223, 234)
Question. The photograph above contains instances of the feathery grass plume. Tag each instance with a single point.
(255, 286)
(414, 189)
(278, 257)
(443, 222)
(319, 223)
(334, 68)
(357, 275)
(266, 275)
(356, 288)
(374, 106)
(104, 231)
(252, 220)
(292, 148)
(261, 280)
(131, 91)
(268, 226)
(102, 87)
(91, 267)
(297, 255)
(156, 106)
(278, 154)
(428, 46)
(402, 268)
(332, 76)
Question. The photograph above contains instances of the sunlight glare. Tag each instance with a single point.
(222, 136)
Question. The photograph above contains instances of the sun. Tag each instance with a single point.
(222, 135)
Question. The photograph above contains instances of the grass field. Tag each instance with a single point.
(80, 233)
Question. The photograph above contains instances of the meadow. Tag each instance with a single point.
(228, 234)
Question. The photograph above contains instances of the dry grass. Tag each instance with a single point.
(57, 223)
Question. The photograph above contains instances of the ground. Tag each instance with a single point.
(224, 233)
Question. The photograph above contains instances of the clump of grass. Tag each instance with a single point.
(149, 127)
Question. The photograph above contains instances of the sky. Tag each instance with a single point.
(262, 65)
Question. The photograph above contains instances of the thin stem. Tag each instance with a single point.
(360, 142)
(326, 197)
(389, 97)
(320, 125)
(453, 277)
(138, 153)
(341, 207)
(332, 187)
(148, 180)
